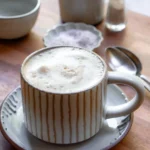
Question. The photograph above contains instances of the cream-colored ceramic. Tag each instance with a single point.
(13, 128)
(17, 17)
(74, 117)
(85, 11)
(74, 34)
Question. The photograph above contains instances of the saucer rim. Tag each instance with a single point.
(15, 145)
(78, 26)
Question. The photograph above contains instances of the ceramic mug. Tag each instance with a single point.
(74, 117)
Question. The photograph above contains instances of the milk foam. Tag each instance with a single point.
(64, 70)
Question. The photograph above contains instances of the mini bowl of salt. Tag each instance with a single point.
(74, 34)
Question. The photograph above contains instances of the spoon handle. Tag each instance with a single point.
(146, 82)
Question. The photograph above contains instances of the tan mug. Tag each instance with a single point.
(66, 118)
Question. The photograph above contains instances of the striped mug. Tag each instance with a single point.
(71, 117)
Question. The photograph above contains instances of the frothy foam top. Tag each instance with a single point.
(63, 70)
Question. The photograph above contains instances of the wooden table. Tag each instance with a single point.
(136, 37)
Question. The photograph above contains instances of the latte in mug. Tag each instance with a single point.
(64, 70)
(64, 94)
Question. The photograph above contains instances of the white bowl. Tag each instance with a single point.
(74, 34)
(17, 17)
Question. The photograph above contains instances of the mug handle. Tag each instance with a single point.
(129, 107)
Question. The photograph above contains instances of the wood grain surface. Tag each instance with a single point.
(136, 37)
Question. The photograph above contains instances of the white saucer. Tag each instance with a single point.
(13, 129)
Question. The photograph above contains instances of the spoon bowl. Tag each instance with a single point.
(121, 63)
(123, 60)
(133, 57)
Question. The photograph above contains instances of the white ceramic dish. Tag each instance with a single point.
(17, 17)
(74, 34)
(13, 129)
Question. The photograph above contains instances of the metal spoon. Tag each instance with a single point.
(121, 59)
